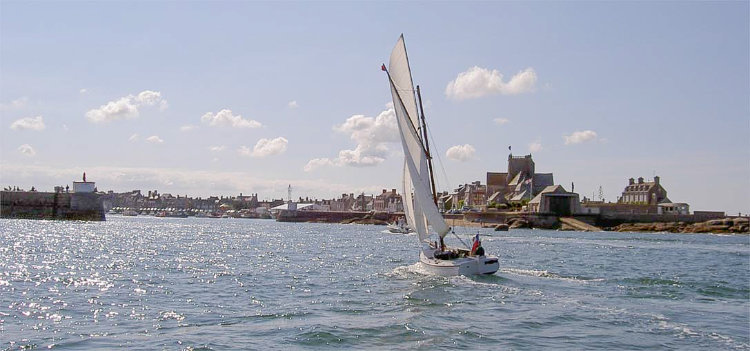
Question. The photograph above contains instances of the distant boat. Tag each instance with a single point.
(129, 212)
(399, 227)
(177, 214)
(420, 203)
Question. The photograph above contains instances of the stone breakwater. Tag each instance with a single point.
(725, 225)
(45, 205)
(378, 218)
(516, 220)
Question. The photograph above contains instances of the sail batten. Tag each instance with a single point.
(419, 207)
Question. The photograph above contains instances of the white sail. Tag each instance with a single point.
(420, 209)
(420, 227)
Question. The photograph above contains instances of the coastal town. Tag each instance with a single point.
(520, 197)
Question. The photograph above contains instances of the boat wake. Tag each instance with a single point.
(407, 271)
(546, 274)
(419, 269)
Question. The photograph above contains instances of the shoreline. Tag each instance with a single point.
(736, 225)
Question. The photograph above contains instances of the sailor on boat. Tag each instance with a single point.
(476, 247)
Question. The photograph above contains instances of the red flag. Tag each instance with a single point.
(382, 67)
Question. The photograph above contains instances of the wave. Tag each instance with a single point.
(547, 274)
(682, 330)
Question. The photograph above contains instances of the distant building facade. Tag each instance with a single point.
(643, 193)
(363, 203)
(639, 197)
(673, 208)
(343, 204)
(555, 199)
(389, 201)
(520, 182)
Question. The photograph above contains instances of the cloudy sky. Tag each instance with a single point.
(206, 98)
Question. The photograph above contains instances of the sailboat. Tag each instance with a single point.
(399, 227)
(420, 201)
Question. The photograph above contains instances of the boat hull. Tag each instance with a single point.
(398, 230)
(473, 265)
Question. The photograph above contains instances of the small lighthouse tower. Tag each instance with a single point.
(84, 186)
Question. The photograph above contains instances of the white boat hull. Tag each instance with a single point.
(398, 230)
(472, 265)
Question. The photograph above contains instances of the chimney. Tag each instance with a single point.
(385, 191)
(631, 181)
(656, 180)
(640, 180)
(393, 191)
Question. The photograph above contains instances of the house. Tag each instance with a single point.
(388, 202)
(472, 194)
(673, 208)
(555, 199)
(363, 203)
(640, 197)
(445, 201)
(643, 193)
(343, 204)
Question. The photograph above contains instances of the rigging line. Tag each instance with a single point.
(437, 152)
(459, 239)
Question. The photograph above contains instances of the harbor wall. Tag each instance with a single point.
(334, 216)
(514, 219)
(49, 205)
(535, 220)
(614, 219)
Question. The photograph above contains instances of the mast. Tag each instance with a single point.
(427, 146)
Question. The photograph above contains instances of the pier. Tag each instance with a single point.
(51, 205)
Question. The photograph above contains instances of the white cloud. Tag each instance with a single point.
(359, 157)
(218, 148)
(226, 118)
(318, 162)
(188, 127)
(371, 134)
(125, 107)
(16, 104)
(245, 151)
(154, 139)
(83, 91)
(27, 150)
(265, 147)
(293, 104)
(580, 137)
(461, 153)
(148, 97)
(134, 138)
(535, 146)
(30, 123)
(478, 82)
(501, 121)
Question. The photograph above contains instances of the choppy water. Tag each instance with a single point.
(159, 283)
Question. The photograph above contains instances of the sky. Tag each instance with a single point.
(222, 98)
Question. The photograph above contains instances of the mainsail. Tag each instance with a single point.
(419, 207)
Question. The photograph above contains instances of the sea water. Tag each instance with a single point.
(145, 283)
